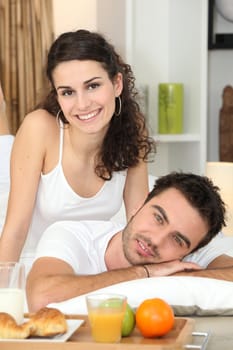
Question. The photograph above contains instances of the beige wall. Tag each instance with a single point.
(96, 15)
(73, 14)
(111, 21)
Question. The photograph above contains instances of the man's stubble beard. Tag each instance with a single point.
(126, 236)
(125, 244)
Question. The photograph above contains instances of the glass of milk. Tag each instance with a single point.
(12, 289)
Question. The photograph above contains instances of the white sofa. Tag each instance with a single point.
(6, 142)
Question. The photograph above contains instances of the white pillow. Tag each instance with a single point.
(3, 207)
(187, 295)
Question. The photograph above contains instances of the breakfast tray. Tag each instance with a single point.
(180, 335)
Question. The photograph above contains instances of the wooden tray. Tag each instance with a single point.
(180, 334)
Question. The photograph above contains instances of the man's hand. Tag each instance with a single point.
(170, 268)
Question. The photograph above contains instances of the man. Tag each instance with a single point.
(179, 218)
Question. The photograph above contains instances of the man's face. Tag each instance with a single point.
(166, 228)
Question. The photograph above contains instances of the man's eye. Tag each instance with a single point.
(178, 240)
(159, 218)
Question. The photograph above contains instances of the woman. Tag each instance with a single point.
(82, 150)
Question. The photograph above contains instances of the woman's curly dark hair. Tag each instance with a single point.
(127, 139)
(201, 193)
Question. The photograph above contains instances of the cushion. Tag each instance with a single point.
(3, 207)
(187, 295)
(6, 142)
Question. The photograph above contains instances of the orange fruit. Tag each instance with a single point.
(154, 318)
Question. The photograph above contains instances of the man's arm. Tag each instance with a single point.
(53, 280)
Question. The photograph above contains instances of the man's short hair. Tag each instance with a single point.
(201, 193)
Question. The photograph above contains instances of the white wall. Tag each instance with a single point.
(113, 20)
(220, 75)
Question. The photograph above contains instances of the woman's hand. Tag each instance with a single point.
(2, 101)
(4, 128)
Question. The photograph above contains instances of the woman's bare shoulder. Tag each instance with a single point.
(39, 121)
(39, 135)
(40, 117)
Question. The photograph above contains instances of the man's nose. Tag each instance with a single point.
(159, 238)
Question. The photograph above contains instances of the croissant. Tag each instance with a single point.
(10, 330)
(46, 322)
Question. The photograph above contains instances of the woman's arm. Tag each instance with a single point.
(136, 188)
(27, 160)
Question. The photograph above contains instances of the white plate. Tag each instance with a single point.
(73, 325)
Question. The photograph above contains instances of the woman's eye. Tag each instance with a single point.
(67, 92)
(93, 86)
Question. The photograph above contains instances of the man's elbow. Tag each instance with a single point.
(36, 297)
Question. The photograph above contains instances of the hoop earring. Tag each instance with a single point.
(120, 105)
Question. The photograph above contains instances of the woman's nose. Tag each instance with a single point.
(82, 101)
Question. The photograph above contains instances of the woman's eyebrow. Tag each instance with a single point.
(90, 80)
(63, 87)
(85, 82)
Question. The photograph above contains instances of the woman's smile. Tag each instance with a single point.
(88, 116)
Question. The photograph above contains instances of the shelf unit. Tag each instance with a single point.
(177, 138)
(167, 41)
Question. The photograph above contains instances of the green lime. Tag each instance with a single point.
(128, 322)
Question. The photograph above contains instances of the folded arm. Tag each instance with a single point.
(220, 268)
(53, 280)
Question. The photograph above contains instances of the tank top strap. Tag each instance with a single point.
(61, 141)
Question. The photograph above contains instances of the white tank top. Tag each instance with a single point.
(57, 201)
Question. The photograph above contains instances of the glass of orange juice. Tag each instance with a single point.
(106, 313)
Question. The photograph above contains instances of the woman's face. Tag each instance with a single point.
(86, 95)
